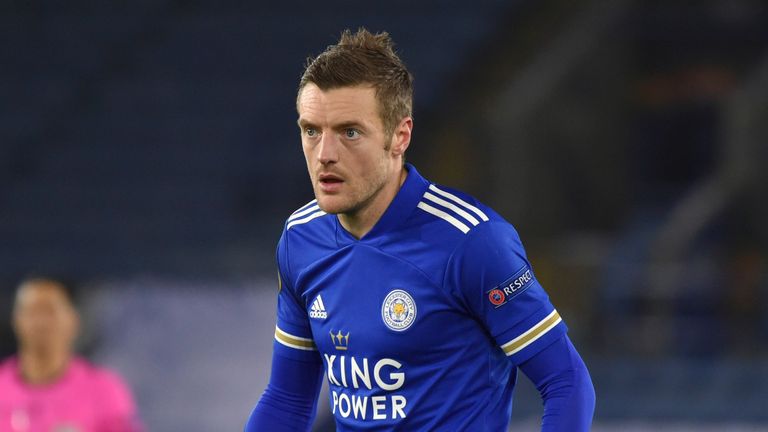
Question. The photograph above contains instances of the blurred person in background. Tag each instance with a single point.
(46, 387)
(416, 299)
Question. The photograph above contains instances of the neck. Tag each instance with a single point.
(360, 222)
(42, 368)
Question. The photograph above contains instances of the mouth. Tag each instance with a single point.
(330, 182)
(329, 178)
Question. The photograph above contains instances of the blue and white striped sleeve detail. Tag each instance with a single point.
(452, 209)
(305, 214)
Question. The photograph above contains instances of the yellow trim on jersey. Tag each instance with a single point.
(292, 341)
(534, 333)
(279, 281)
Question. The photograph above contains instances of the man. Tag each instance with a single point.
(417, 301)
(47, 388)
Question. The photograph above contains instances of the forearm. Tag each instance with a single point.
(289, 401)
(565, 386)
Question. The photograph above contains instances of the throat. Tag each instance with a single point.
(360, 221)
(357, 224)
(39, 370)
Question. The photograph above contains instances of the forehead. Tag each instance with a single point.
(338, 105)
(41, 292)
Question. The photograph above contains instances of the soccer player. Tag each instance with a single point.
(46, 388)
(416, 301)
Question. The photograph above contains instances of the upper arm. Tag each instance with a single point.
(289, 401)
(490, 272)
(293, 333)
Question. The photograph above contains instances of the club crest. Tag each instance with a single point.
(398, 310)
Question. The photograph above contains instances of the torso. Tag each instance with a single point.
(72, 403)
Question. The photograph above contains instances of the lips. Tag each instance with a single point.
(330, 183)
(329, 178)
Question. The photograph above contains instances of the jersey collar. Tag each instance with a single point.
(399, 209)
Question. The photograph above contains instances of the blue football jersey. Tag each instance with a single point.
(420, 324)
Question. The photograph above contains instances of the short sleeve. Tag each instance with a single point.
(293, 334)
(491, 275)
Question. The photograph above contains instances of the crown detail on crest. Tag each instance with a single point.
(340, 340)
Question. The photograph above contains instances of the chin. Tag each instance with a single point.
(332, 204)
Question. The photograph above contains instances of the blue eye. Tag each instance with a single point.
(351, 133)
(310, 131)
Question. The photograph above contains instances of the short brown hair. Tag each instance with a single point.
(365, 58)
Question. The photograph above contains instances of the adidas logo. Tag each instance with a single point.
(318, 309)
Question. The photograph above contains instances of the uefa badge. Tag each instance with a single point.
(398, 310)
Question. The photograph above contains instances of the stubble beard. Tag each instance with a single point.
(357, 201)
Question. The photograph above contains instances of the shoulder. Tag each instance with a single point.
(105, 379)
(308, 232)
(305, 217)
(309, 223)
(451, 217)
(113, 394)
(8, 367)
(8, 362)
(447, 225)
(466, 238)
(11, 385)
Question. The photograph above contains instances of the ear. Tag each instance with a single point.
(401, 137)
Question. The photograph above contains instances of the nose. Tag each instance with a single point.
(327, 150)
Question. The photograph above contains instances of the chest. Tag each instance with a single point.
(366, 304)
(57, 409)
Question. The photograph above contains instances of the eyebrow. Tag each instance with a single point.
(303, 123)
(350, 124)
(343, 125)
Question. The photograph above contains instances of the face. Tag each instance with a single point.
(349, 155)
(43, 318)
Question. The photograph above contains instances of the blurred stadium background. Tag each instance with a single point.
(149, 153)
